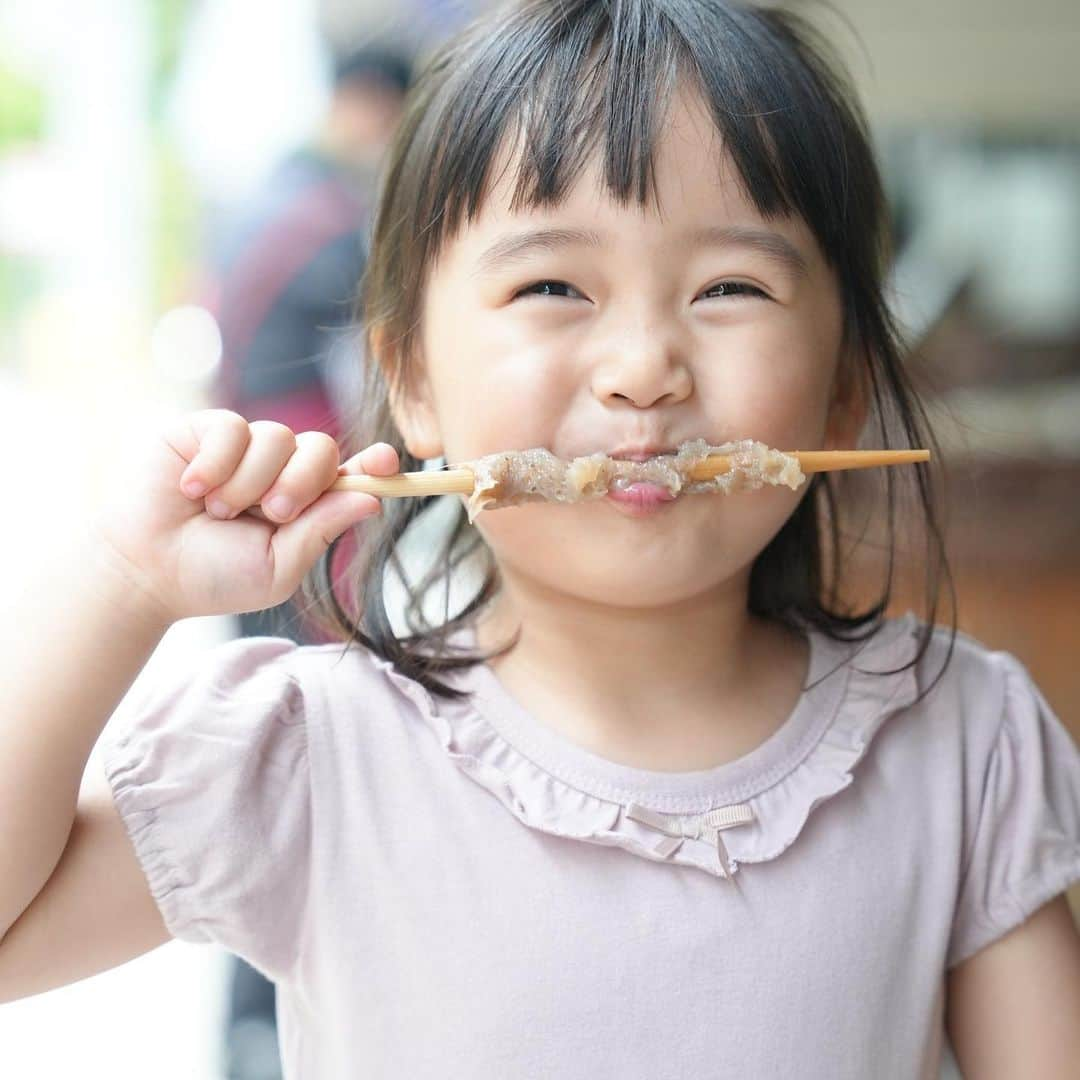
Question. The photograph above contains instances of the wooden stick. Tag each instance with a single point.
(811, 461)
(460, 481)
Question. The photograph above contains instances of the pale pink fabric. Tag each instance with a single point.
(456, 891)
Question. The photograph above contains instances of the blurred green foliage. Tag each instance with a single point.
(22, 120)
(176, 217)
(168, 22)
(176, 240)
(22, 107)
(174, 214)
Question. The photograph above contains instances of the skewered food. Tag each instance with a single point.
(513, 477)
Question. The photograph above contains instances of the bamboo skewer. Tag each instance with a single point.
(460, 481)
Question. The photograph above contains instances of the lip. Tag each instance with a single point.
(639, 500)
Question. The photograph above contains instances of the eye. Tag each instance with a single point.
(735, 288)
(546, 288)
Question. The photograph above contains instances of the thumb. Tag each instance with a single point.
(298, 545)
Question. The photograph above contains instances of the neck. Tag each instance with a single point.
(621, 664)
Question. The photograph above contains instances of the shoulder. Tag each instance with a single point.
(253, 714)
(993, 747)
(258, 683)
(350, 693)
(339, 670)
(955, 674)
(942, 656)
(988, 693)
(943, 702)
(981, 724)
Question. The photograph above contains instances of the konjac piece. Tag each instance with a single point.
(513, 477)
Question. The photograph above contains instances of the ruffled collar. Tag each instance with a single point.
(745, 811)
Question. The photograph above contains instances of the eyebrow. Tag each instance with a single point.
(772, 245)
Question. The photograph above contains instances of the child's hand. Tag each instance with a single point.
(198, 524)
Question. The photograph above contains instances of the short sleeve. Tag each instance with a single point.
(1025, 848)
(210, 775)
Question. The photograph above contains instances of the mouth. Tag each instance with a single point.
(640, 498)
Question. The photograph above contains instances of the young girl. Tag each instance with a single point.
(654, 802)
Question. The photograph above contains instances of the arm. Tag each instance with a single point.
(1013, 1009)
(95, 911)
(73, 899)
(74, 643)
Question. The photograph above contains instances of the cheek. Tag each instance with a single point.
(496, 387)
(784, 384)
(776, 391)
(514, 401)
(503, 414)
(788, 412)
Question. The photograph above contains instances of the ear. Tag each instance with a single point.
(411, 401)
(850, 404)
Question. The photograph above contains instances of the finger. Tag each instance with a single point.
(378, 459)
(312, 468)
(271, 446)
(217, 439)
(299, 544)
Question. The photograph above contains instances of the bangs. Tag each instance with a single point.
(560, 83)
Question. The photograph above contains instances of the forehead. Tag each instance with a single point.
(695, 187)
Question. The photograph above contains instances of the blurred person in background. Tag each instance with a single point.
(285, 282)
(285, 272)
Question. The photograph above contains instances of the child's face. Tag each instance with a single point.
(634, 346)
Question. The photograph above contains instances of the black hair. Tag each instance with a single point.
(574, 78)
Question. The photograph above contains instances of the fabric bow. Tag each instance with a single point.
(707, 826)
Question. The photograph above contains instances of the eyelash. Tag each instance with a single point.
(728, 287)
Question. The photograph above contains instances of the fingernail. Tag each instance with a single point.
(280, 506)
(195, 488)
(218, 508)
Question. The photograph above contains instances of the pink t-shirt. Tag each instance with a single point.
(454, 890)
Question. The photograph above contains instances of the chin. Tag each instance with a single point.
(599, 554)
(631, 579)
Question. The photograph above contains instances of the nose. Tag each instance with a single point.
(645, 364)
